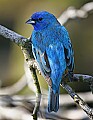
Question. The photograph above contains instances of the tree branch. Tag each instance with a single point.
(15, 88)
(13, 36)
(84, 78)
(72, 13)
(78, 100)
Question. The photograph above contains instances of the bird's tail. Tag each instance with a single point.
(53, 101)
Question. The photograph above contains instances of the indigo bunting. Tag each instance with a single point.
(52, 49)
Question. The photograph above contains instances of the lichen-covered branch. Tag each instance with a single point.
(84, 78)
(27, 51)
(13, 36)
(78, 100)
(81, 78)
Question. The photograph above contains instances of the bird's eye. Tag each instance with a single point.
(40, 19)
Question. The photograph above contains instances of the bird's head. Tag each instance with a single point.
(41, 20)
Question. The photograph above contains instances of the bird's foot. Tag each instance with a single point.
(48, 80)
(67, 76)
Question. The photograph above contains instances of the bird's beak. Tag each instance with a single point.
(30, 21)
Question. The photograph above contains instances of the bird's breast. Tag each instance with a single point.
(43, 39)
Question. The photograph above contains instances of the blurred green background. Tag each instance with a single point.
(13, 15)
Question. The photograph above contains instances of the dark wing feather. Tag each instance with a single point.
(43, 62)
(69, 54)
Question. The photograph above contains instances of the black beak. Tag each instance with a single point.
(30, 21)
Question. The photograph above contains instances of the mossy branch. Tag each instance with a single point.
(78, 100)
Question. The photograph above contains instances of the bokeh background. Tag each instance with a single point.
(14, 13)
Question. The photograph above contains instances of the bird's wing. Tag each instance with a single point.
(42, 60)
(69, 54)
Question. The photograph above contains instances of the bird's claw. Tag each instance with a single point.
(48, 80)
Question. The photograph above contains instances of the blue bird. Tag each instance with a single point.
(52, 49)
